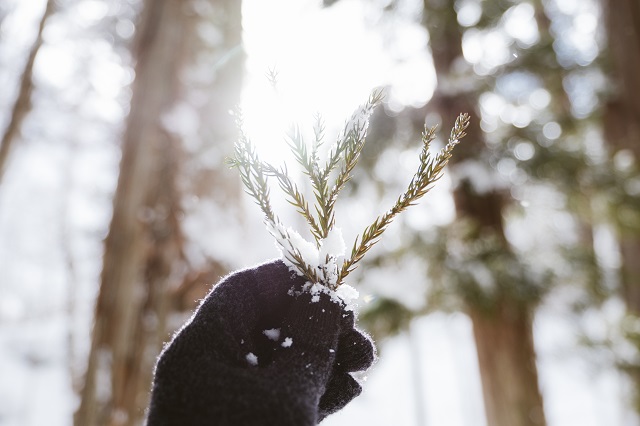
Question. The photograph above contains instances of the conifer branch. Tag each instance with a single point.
(345, 153)
(318, 183)
(318, 131)
(290, 252)
(295, 198)
(252, 173)
(299, 149)
(429, 171)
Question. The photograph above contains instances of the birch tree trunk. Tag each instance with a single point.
(503, 332)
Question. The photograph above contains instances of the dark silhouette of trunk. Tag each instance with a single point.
(22, 105)
(622, 132)
(622, 119)
(503, 331)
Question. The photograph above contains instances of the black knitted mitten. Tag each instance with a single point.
(254, 354)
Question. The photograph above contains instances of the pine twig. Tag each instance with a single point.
(345, 153)
(252, 174)
(429, 171)
(296, 198)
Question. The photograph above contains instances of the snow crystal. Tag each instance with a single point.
(343, 294)
(307, 249)
(291, 241)
(288, 341)
(331, 257)
(272, 334)
(333, 245)
(328, 272)
(347, 294)
(251, 358)
(327, 261)
(315, 290)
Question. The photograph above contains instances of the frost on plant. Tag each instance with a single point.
(325, 261)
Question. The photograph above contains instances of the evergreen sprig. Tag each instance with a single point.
(254, 176)
(429, 171)
(342, 159)
(295, 198)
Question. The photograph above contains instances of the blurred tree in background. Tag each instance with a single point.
(144, 260)
(188, 66)
(496, 289)
(534, 78)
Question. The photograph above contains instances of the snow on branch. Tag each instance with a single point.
(323, 261)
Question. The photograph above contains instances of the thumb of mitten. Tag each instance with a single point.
(356, 352)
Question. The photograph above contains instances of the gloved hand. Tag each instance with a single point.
(253, 354)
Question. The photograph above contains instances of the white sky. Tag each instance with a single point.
(328, 61)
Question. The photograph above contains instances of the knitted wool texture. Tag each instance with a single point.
(205, 375)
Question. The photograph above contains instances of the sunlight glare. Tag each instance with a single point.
(326, 62)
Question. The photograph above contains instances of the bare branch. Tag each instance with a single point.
(22, 105)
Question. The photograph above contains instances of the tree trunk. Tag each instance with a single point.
(622, 122)
(503, 333)
(506, 356)
(23, 101)
(622, 112)
(622, 132)
(142, 249)
(144, 268)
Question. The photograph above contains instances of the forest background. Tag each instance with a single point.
(508, 297)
